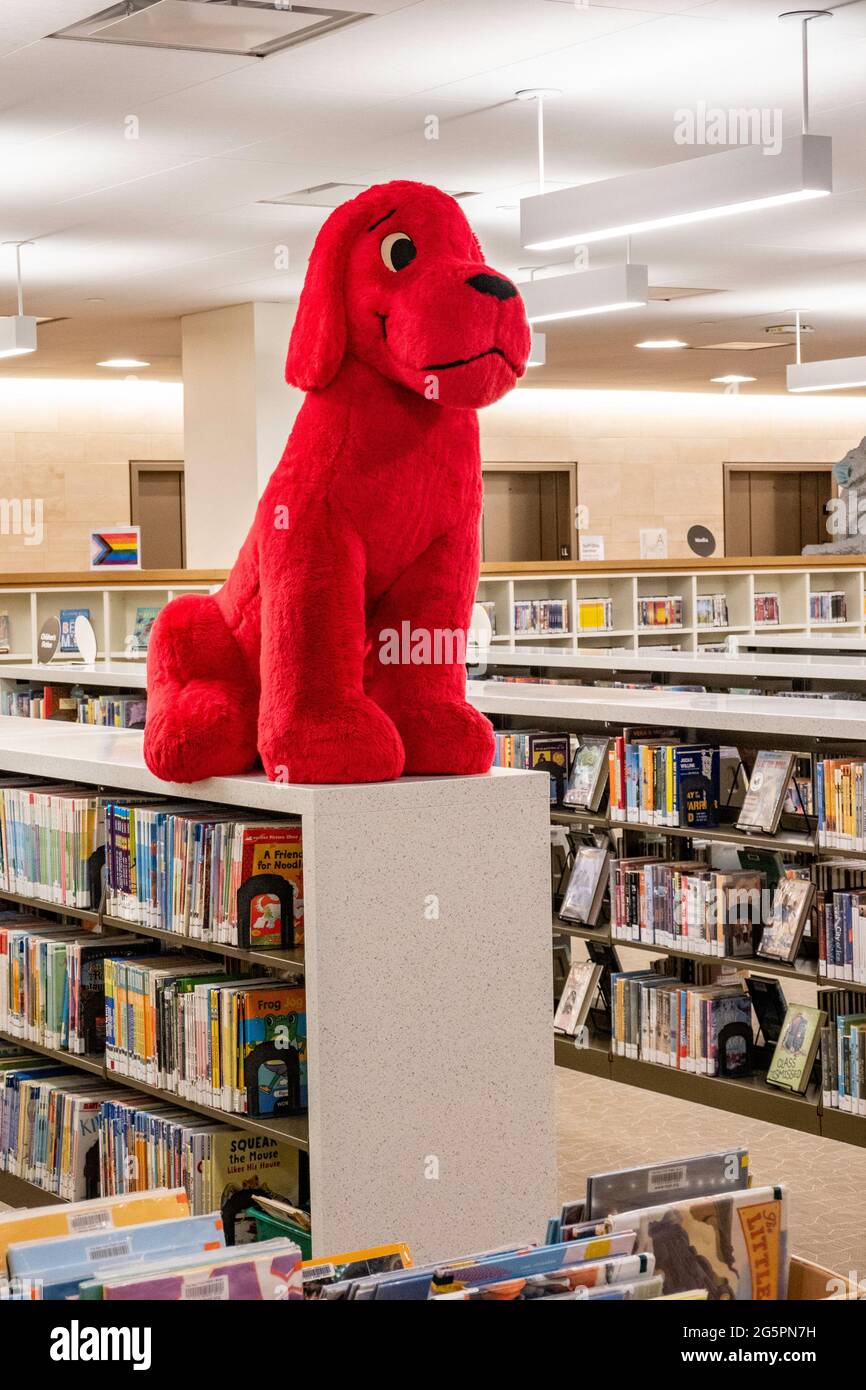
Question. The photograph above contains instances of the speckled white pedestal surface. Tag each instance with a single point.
(428, 970)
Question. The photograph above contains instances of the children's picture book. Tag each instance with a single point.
(576, 997)
(352, 1264)
(797, 1048)
(271, 849)
(104, 1215)
(267, 1272)
(780, 939)
(734, 1245)
(586, 886)
(587, 777)
(680, 1179)
(144, 621)
(768, 785)
(274, 1051)
(68, 644)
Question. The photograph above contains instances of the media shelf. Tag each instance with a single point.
(816, 726)
(406, 908)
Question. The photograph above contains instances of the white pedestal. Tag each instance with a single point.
(429, 1005)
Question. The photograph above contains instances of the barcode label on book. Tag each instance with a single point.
(84, 1221)
(115, 1251)
(666, 1179)
(212, 1289)
(322, 1271)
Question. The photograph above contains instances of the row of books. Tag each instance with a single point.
(149, 1247)
(685, 906)
(841, 932)
(80, 1137)
(658, 781)
(51, 982)
(711, 610)
(767, 609)
(49, 834)
(541, 615)
(185, 869)
(594, 614)
(535, 748)
(235, 1045)
(707, 1029)
(843, 1052)
(38, 701)
(828, 606)
(660, 611)
(840, 803)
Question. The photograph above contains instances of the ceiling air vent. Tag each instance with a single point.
(331, 195)
(248, 28)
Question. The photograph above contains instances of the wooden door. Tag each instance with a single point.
(776, 511)
(157, 506)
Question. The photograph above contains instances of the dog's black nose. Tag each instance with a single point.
(492, 284)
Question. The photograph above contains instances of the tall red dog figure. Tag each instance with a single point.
(368, 526)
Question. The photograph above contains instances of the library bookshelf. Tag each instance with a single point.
(404, 1129)
(797, 585)
(808, 725)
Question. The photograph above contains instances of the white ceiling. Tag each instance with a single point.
(171, 222)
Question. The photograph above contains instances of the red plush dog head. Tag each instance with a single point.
(397, 279)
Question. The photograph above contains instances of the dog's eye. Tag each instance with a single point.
(398, 250)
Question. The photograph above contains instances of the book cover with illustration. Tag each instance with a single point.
(780, 939)
(735, 1246)
(144, 621)
(274, 1050)
(762, 805)
(587, 777)
(576, 997)
(274, 848)
(797, 1048)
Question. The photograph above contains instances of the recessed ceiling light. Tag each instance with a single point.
(662, 343)
(732, 379)
(122, 362)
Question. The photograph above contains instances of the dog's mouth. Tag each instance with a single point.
(465, 361)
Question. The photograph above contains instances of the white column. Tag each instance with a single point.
(238, 412)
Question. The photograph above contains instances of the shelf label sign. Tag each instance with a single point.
(49, 636)
(701, 540)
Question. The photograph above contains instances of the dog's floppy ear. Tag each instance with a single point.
(318, 341)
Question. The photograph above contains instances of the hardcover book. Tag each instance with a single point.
(626, 1189)
(733, 1245)
(585, 892)
(587, 777)
(781, 936)
(696, 771)
(68, 645)
(768, 785)
(797, 1048)
(576, 997)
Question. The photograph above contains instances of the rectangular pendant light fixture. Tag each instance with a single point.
(692, 190)
(17, 335)
(582, 292)
(833, 374)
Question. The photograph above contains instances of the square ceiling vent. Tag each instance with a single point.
(248, 28)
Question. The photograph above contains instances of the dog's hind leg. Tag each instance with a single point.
(203, 695)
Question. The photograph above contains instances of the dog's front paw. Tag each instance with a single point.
(351, 742)
(446, 738)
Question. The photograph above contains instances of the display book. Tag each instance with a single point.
(536, 748)
(81, 1137)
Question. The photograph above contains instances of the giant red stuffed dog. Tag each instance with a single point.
(369, 525)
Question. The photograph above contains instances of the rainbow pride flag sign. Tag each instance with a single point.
(116, 547)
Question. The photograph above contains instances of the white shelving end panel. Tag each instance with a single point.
(427, 957)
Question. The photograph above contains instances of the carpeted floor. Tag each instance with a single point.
(603, 1124)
